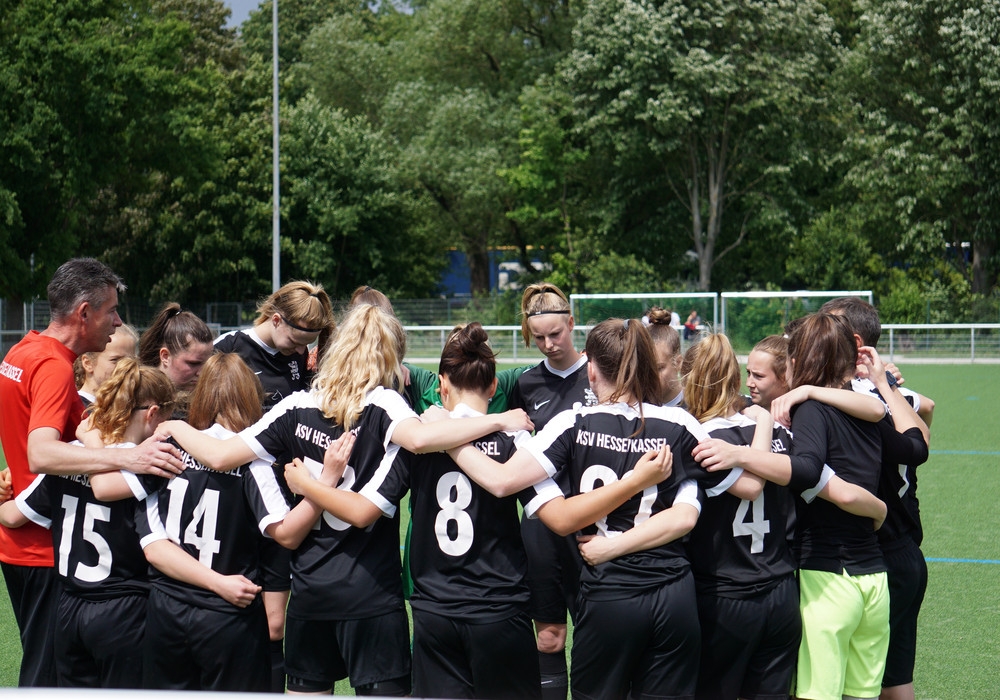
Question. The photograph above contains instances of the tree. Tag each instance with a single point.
(349, 215)
(924, 80)
(715, 95)
(97, 120)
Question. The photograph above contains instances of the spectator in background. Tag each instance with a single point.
(691, 324)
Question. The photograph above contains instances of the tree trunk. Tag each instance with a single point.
(984, 274)
(479, 267)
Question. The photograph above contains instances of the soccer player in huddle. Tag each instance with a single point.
(346, 615)
(101, 614)
(557, 383)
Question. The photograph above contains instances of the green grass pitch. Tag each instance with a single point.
(959, 641)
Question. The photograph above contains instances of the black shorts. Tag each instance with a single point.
(646, 646)
(193, 648)
(453, 658)
(906, 571)
(750, 645)
(99, 643)
(553, 574)
(275, 566)
(34, 595)
(320, 652)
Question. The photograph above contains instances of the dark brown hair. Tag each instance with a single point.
(822, 351)
(174, 330)
(623, 352)
(661, 331)
(861, 316)
(467, 359)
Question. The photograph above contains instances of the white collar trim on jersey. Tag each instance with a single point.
(260, 341)
(676, 401)
(563, 373)
(464, 410)
(736, 420)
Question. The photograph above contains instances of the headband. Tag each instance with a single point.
(300, 328)
(542, 313)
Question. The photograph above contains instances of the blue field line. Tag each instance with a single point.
(949, 560)
(989, 453)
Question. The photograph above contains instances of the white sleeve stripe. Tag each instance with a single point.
(687, 493)
(134, 485)
(545, 491)
(809, 495)
(36, 518)
(538, 452)
(26, 510)
(378, 500)
(153, 537)
(270, 493)
(722, 487)
(152, 513)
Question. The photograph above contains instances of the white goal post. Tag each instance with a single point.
(591, 309)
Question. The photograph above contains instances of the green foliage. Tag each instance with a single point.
(645, 145)
(714, 91)
(348, 212)
(925, 82)
(832, 253)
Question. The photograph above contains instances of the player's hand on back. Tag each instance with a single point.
(237, 590)
(434, 414)
(715, 455)
(516, 419)
(781, 407)
(155, 457)
(335, 459)
(596, 549)
(653, 467)
(297, 476)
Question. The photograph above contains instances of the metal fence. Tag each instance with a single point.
(428, 322)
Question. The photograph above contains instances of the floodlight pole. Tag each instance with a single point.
(275, 177)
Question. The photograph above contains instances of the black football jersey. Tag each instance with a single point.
(602, 444)
(97, 552)
(901, 455)
(741, 546)
(829, 538)
(543, 392)
(467, 558)
(339, 572)
(281, 375)
(216, 517)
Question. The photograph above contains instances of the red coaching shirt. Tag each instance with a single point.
(36, 391)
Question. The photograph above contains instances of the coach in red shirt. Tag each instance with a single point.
(40, 410)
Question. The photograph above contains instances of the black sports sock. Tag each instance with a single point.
(555, 679)
(277, 647)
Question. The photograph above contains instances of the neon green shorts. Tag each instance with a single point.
(845, 635)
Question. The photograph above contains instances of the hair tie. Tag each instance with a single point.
(625, 325)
